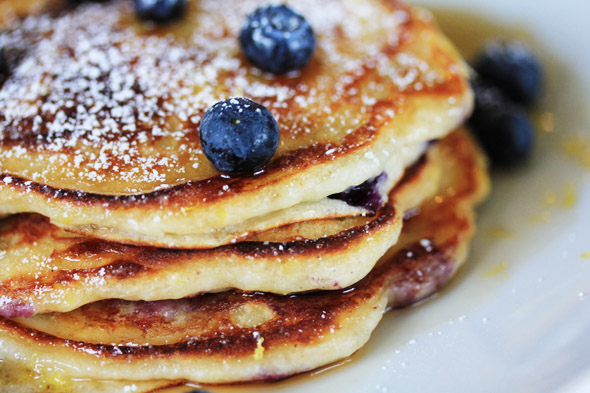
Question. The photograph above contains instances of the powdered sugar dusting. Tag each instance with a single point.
(98, 102)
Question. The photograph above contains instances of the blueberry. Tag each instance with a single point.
(198, 391)
(277, 39)
(364, 195)
(502, 127)
(239, 136)
(159, 10)
(512, 66)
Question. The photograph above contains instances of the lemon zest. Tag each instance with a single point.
(500, 269)
(570, 197)
(259, 351)
(500, 232)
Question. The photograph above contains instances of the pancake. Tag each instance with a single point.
(100, 133)
(309, 213)
(234, 336)
(48, 269)
(13, 10)
(21, 381)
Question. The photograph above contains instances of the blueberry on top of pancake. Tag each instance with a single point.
(277, 39)
(239, 135)
(159, 10)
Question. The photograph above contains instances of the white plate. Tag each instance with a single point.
(517, 318)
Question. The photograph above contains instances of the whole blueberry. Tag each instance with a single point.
(239, 136)
(513, 67)
(277, 39)
(502, 127)
(159, 10)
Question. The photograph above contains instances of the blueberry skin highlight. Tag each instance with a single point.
(513, 67)
(159, 10)
(501, 126)
(277, 39)
(239, 136)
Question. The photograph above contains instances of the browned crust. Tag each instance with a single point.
(299, 319)
(154, 256)
(136, 260)
(410, 173)
(30, 227)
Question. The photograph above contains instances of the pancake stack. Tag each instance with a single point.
(127, 258)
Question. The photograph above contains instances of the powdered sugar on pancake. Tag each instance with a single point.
(113, 105)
